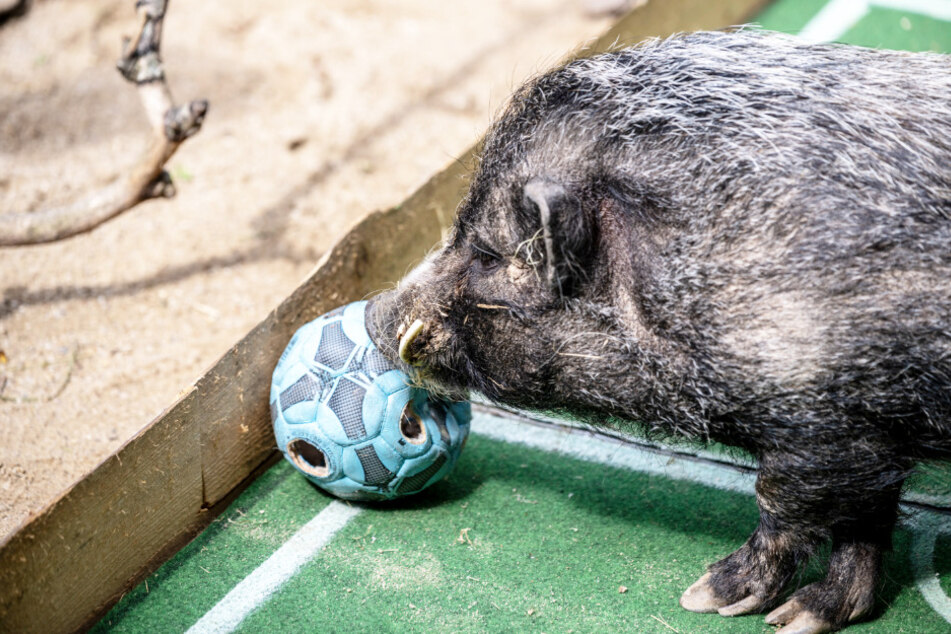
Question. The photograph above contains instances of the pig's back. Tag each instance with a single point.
(813, 271)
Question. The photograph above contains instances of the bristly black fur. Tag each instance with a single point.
(750, 240)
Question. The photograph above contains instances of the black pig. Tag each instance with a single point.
(730, 237)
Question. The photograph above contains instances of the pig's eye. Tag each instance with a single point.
(485, 259)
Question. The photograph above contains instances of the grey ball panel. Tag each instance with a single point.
(304, 389)
(416, 482)
(375, 473)
(347, 403)
(335, 347)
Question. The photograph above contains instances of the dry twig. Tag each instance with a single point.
(141, 64)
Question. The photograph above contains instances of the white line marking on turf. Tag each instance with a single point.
(922, 561)
(563, 440)
(614, 453)
(268, 578)
(833, 20)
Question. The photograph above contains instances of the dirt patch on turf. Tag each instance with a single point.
(401, 573)
(320, 113)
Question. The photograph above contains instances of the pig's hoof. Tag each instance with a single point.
(795, 619)
(700, 597)
(750, 604)
(825, 606)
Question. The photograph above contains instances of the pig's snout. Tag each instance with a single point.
(402, 332)
(406, 336)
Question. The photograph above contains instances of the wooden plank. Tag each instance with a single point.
(67, 565)
(659, 18)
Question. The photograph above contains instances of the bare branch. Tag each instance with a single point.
(140, 64)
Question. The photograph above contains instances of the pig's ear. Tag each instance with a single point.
(567, 232)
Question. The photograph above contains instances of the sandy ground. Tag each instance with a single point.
(320, 113)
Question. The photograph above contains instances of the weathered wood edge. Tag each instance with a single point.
(69, 563)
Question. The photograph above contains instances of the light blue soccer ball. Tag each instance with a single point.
(347, 419)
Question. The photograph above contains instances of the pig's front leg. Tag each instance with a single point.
(802, 502)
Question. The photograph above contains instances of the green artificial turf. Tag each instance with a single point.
(886, 28)
(520, 541)
(788, 16)
(942, 555)
(515, 540)
(931, 483)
